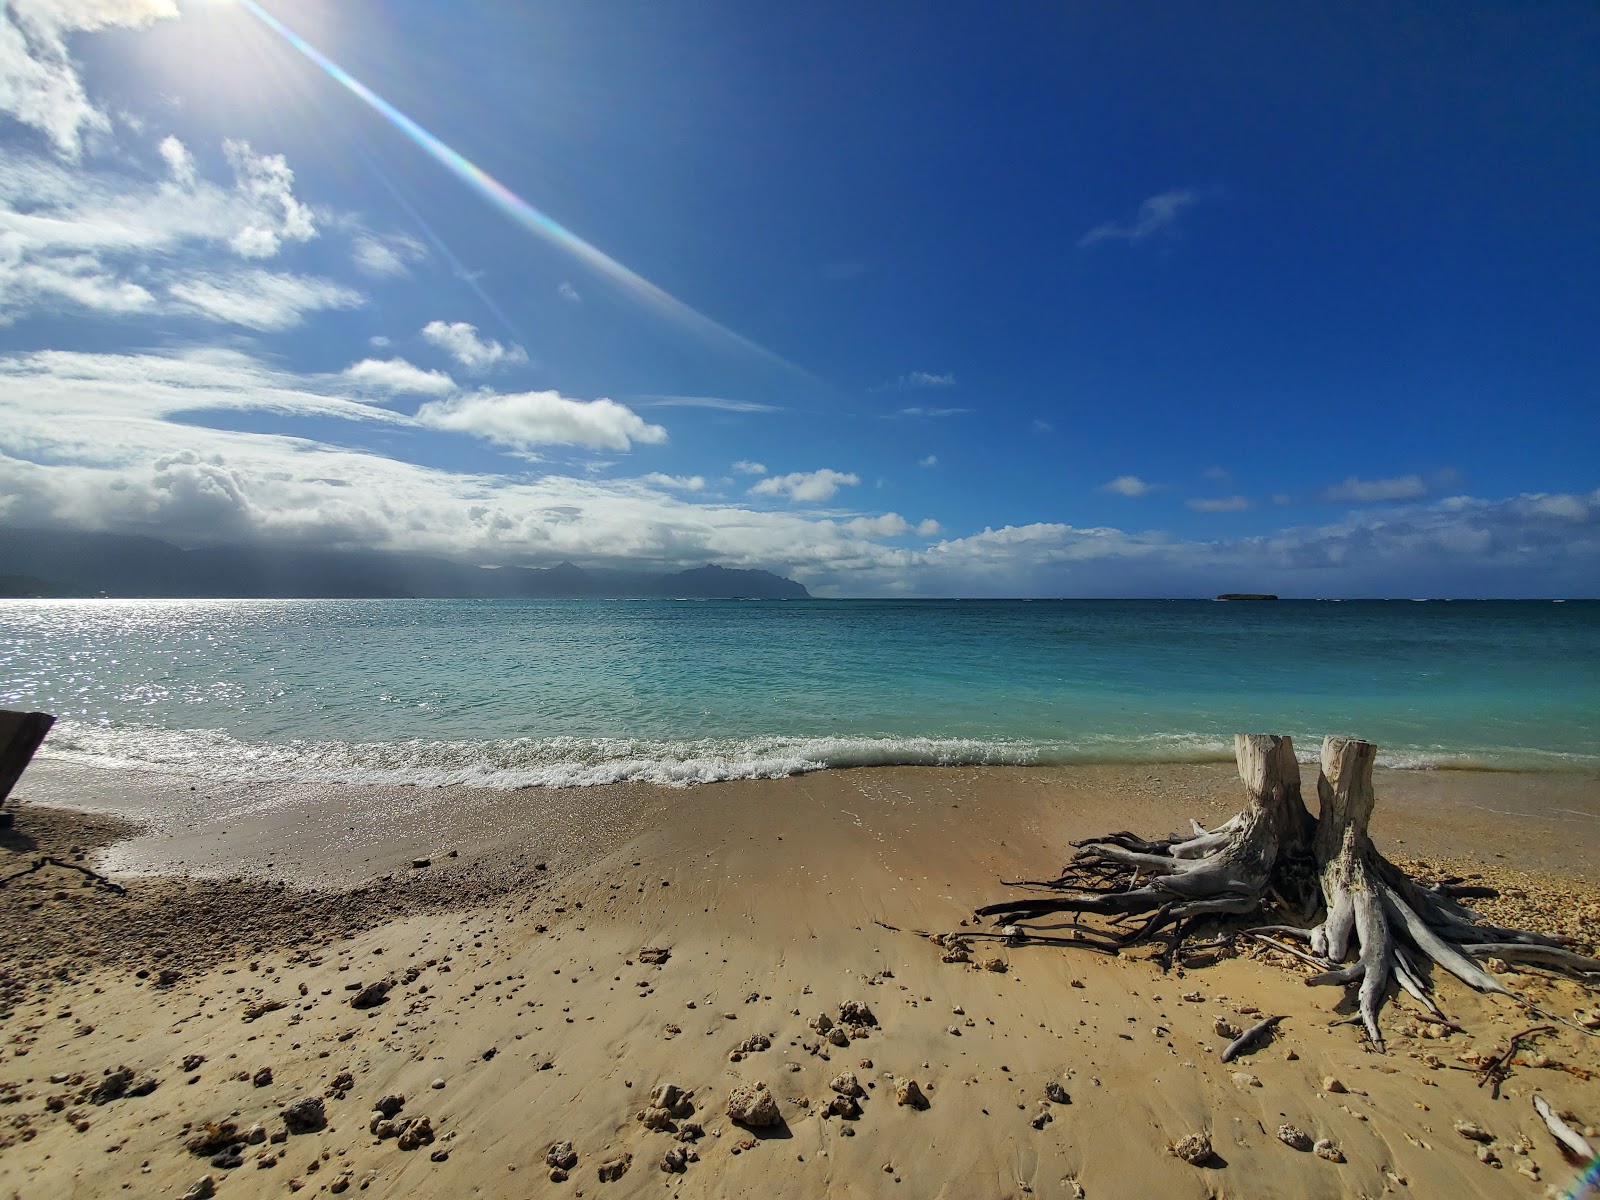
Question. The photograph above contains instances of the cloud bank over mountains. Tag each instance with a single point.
(206, 421)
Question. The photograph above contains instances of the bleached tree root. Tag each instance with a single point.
(1226, 871)
(1394, 925)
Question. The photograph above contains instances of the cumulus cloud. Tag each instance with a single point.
(1157, 215)
(745, 467)
(931, 460)
(806, 486)
(397, 376)
(268, 183)
(1127, 485)
(386, 256)
(1219, 504)
(677, 483)
(525, 420)
(476, 354)
(1375, 491)
(39, 83)
(77, 239)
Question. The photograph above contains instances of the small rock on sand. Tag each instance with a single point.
(562, 1155)
(907, 1092)
(615, 1168)
(1326, 1149)
(751, 1104)
(846, 1084)
(1245, 1079)
(1474, 1132)
(1056, 1094)
(1331, 1084)
(390, 1104)
(1194, 1149)
(372, 995)
(305, 1115)
(1293, 1138)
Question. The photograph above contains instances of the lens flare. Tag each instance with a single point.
(520, 211)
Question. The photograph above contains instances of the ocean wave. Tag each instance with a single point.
(514, 763)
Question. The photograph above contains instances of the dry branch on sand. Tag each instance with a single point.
(1275, 851)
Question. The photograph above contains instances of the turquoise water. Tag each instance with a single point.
(519, 693)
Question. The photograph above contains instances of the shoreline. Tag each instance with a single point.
(768, 896)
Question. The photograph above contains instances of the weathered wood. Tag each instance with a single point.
(20, 735)
(1266, 852)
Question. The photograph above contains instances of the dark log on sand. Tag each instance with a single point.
(20, 735)
(1266, 854)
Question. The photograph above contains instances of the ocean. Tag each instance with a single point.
(510, 694)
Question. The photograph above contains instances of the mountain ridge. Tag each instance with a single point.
(69, 564)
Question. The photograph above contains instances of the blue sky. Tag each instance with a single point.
(1044, 300)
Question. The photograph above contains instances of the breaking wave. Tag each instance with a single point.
(589, 762)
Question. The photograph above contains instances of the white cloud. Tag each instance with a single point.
(745, 467)
(268, 183)
(889, 525)
(927, 379)
(396, 375)
(112, 244)
(461, 342)
(524, 420)
(931, 460)
(1156, 215)
(1374, 491)
(1040, 425)
(678, 483)
(262, 300)
(387, 256)
(378, 342)
(569, 293)
(95, 442)
(1127, 485)
(929, 528)
(179, 161)
(39, 82)
(917, 411)
(1219, 504)
(716, 402)
(1218, 475)
(806, 486)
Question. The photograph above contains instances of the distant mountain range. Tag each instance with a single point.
(36, 562)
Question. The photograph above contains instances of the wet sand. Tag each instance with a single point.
(519, 989)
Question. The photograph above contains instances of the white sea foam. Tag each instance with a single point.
(589, 762)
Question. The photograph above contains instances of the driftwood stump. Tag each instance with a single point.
(1268, 853)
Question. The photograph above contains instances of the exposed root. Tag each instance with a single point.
(1394, 925)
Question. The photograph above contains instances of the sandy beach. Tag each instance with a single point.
(529, 1001)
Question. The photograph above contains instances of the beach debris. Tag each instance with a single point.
(752, 1104)
(390, 1104)
(418, 1133)
(1056, 1094)
(561, 1155)
(1330, 1083)
(371, 995)
(674, 1099)
(654, 955)
(1325, 1148)
(260, 1008)
(262, 1078)
(997, 965)
(1573, 1144)
(192, 1062)
(1499, 1066)
(854, 1012)
(305, 1115)
(202, 1189)
(1488, 1157)
(1394, 922)
(1194, 1149)
(213, 1136)
(907, 1093)
(1245, 1079)
(1249, 1038)
(1294, 1138)
(616, 1167)
(1472, 1131)
(676, 1160)
(1224, 1028)
(112, 1086)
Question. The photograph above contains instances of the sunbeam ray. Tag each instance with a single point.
(523, 213)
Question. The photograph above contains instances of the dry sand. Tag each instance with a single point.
(522, 1014)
